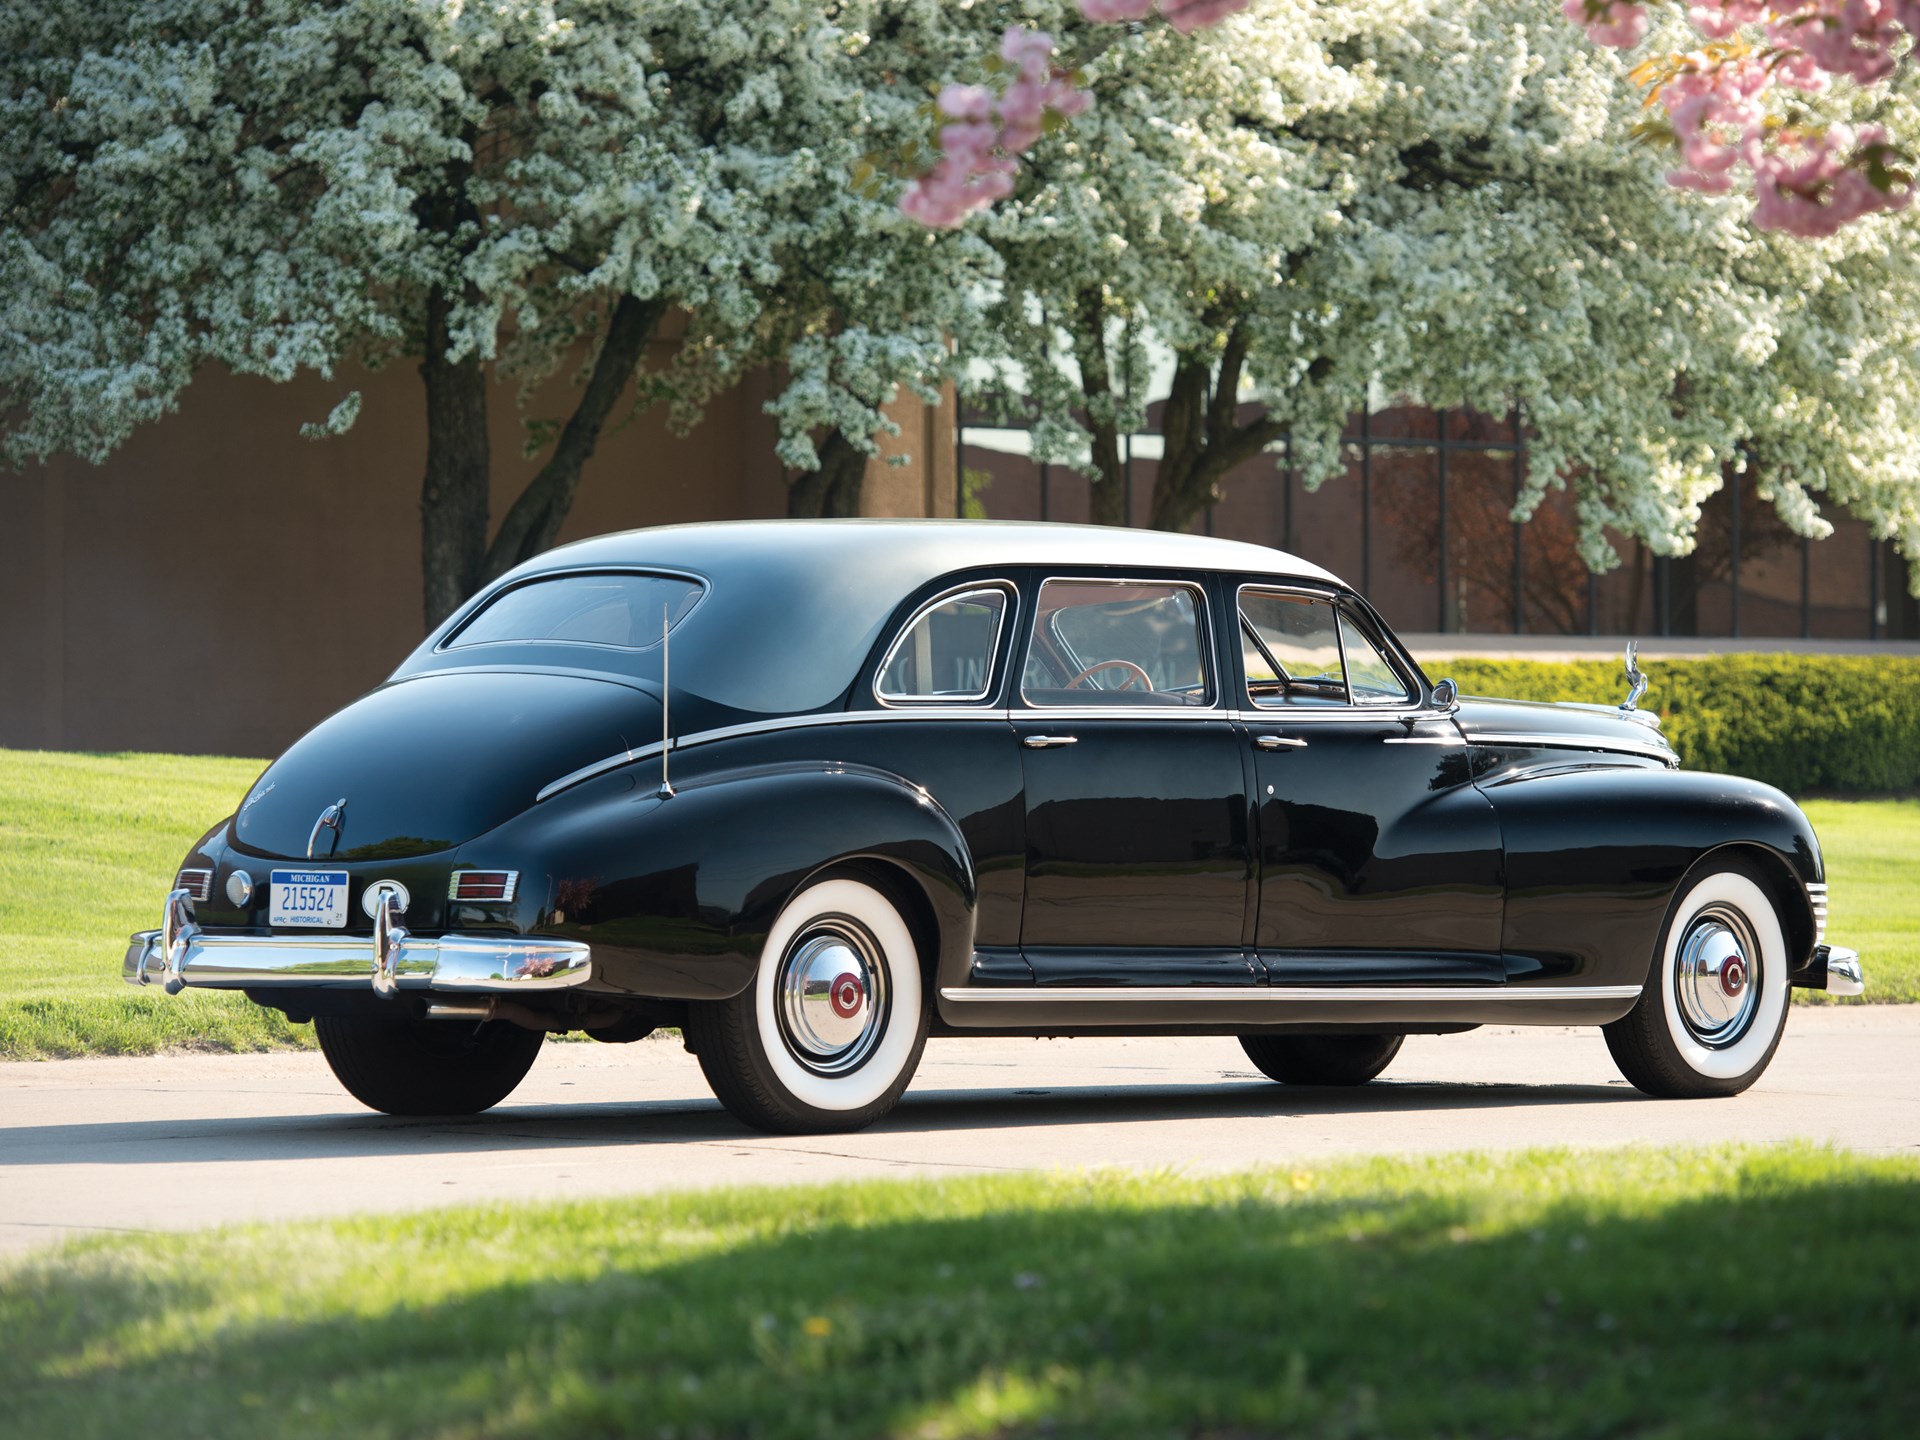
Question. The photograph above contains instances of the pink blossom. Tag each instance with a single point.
(966, 102)
(1813, 183)
(1616, 24)
(1115, 12)
(1022, 109)
(1028, 51)
(1717, 19)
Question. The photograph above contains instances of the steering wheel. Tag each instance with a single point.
(1134, 672)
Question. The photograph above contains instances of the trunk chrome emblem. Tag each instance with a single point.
(330, 819)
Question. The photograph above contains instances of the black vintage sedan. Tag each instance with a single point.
(814, 791)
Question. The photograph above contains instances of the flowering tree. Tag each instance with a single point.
(1317, 203)
(525, 188)
(1740, 96)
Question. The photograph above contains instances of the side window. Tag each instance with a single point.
(1301, 650)
(1372, 680)
(1116, 643)
(947, 652)
(1291, 646)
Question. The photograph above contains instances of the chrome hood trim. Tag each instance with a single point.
(1531, 725)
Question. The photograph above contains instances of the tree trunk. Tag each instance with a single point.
(533, 523)
(832, 491)
(453, 494)
(1202, 438)
(1108, 501)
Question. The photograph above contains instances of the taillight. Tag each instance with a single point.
(197, 883)
(483, 886)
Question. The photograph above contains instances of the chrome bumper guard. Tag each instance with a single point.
(181, 954)
(1841, 969)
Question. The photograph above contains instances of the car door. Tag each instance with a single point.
(1379, 862)
(1138, 837)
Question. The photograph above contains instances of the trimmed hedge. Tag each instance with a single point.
(1837, 723)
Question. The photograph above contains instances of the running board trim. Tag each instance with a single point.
(1311, 994)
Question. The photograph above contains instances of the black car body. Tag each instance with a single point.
(1104, 780)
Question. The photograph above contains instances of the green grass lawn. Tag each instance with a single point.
(1716, 1293)
(1872, 850)
(88, 844)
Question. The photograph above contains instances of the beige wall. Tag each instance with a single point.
(221, 584)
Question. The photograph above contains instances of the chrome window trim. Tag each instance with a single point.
(481, 602)
(1391, 994)
(1416, 692)
(1550, 741)
(1003, 626)
(1215, 707)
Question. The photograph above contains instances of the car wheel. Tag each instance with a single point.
(405, 1066)
(1321, 1059)
(830, 1031)
(1715, 1002)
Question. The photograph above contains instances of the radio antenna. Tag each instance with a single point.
(666, 725)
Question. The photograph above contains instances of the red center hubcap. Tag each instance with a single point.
(846, 995)
(1733, 975)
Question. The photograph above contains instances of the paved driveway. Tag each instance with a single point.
(175, 1142)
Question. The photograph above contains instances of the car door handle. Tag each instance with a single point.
(1278, 742)
(1047, 742)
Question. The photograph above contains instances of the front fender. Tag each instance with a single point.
(1595, 854)
(676, 894)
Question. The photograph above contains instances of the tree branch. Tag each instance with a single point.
(533, 523)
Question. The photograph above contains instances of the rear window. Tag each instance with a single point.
(626, 612)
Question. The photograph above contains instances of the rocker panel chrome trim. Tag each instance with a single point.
(1329, 994)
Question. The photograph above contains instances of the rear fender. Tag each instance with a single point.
(1594, 857)
(676, 894)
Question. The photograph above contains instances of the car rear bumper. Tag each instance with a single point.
(501, 964)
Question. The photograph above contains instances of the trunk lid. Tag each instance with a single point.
(427, 763)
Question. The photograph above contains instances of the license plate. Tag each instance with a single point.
(315, 898)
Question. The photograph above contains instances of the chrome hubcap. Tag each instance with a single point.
(1715, 980)
(831, 995)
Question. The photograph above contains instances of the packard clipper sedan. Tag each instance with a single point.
(813, 791)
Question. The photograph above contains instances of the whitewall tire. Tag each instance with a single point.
(1715, 1003)
(831, 1029)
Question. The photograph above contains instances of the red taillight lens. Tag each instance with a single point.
(197, 883)
(483, 886)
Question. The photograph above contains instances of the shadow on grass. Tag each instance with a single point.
(525, 1128)
(1548, 1296)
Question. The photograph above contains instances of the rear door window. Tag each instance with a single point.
(1098, 642)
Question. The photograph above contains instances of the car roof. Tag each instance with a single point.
(794, 607)
(928, 548)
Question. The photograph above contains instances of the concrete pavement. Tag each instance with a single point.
(181, 1141)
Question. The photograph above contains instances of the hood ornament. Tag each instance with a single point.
(1636, 681)
(331, 818)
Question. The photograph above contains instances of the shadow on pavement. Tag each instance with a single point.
(695, 1121)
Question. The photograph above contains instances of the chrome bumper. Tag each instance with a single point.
(180, 954)
(1840, 970)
